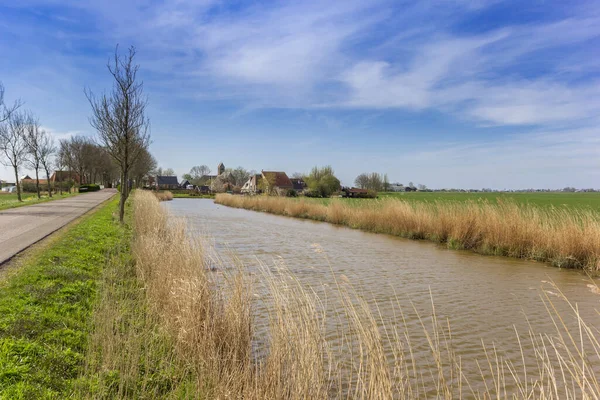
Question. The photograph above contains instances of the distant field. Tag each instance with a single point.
(590, 200)
(567, 200)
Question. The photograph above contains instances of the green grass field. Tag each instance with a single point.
(589, 201)
(9, 200)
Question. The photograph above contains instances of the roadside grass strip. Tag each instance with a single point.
(10, 200)
(46, 309)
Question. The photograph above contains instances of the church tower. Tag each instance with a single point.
(220, 169)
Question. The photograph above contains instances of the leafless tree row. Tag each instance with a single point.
(372, 181)
(120, 154)
(23, 142)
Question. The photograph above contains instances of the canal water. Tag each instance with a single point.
(484, 298)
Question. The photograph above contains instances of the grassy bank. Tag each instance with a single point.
(9, 200)
(171, 327)
(563, 237)
(46, 309)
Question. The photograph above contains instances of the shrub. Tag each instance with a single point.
(89, 188)
(30, 187)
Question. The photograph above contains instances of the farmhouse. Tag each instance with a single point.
(64, 176)
(167, 182)
(276, 180)
(31, 181)
(268, 181)
(252, 185)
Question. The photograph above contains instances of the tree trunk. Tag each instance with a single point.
(48, 183)
(122, 198)
(37, 183)
(18, 184)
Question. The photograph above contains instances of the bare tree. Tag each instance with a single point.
(12, 143)
(6, 111)
(142, 167)
(197, 173)
(66, 159)
(33, 138)
(240, 176)
(362, 181)
(47, 150)
(120, 118)
(372, 181)
(59, 163)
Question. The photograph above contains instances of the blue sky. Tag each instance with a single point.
(469, 94)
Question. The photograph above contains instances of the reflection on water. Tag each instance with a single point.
(485, 298)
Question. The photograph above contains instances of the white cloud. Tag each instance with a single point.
(461, 75)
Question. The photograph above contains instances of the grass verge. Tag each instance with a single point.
(10, 200)
(563, 237)
(46, 309)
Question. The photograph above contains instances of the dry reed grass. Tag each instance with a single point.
(164, 195)
(203, 323)
(564, 238)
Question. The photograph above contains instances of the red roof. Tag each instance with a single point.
(42, 181)
(357, 190)
(61, 176)
(278, 179)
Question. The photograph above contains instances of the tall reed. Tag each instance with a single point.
(564, 238)
(165, 195)
(220, 349)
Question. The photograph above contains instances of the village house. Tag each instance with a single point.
(167, 182)
(268, 181)
(64, 176)
(396, 187)
(252, 185)
(298, 185)
(31, 181)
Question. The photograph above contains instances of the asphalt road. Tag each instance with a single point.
(23, 226)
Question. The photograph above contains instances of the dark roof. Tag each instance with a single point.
(166, 180)
(298, 184)
(184, 183)
(279, 179)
